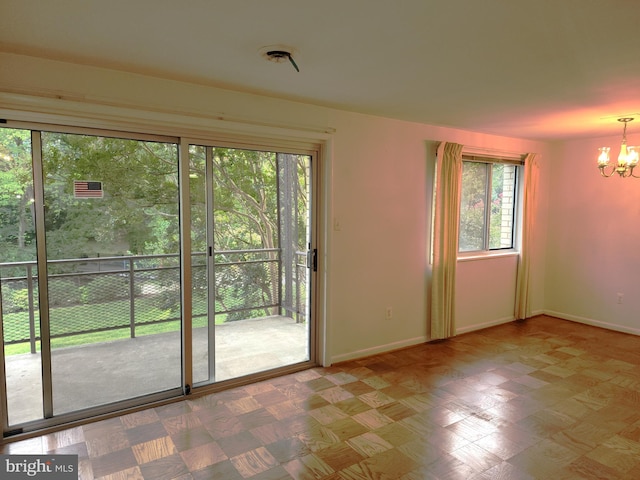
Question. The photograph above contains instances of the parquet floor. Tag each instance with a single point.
(542, 399)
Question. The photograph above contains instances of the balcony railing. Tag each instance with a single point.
(91, 295)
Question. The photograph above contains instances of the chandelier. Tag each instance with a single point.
(627, 159)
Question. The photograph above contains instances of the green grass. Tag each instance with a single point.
(87, 317)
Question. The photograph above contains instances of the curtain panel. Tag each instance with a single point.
(523, 282)
(445, 240)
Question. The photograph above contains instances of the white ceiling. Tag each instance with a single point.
(542, 69)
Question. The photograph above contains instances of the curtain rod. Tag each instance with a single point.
(469, 150)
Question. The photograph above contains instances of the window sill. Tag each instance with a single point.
(470, 257)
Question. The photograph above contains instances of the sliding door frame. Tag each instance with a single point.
(314, 152)
(49, 421)
(316, 288)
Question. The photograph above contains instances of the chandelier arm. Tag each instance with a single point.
(602, 172)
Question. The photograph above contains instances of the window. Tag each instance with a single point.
(488, 204)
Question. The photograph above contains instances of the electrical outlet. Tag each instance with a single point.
(620, 297)
(389, 313)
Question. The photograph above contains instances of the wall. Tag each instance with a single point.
(485, 291)
(593, 238)
(377, 181)
(381, 197)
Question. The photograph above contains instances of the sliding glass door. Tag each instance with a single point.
(112, 249)
(251, 234)
(95, 311)
(20, 324)
(90, 271)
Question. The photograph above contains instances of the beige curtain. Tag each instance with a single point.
(445, 240)
(523, 283)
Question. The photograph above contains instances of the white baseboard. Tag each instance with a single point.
(367, 352)
(480, 326)
(388, 347)
(594, 323)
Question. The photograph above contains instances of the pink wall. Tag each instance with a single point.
(593, 248)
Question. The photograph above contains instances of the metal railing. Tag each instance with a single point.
(91, 295)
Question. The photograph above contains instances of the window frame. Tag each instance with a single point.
(486, 250)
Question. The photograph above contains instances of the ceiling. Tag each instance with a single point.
(540, 69)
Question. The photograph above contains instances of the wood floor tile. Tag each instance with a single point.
(499, 445)
(145, 432)
(133, 473)
(173, 409)
(328, 414)
(618, 453)
(203, 456)
(544, 458)
(236, 444)
(369, 444)
(190, 438)
(376, 399)
(396, 434)
(181, 422)
(319, 438)
(256, 418)
(288, 449)
(272, 432)
(341, 378)
(224, 470)
(335, 394)
(253, 462)
(111, 440)
(223, 426)
(472, 428)
(137, 419)
(372, 419)
(309, 466)
(347, 428)
(113, 462)
(588, 469)
(451, 468)
(165, 468)
(358, 388)
(503, 471)
(418, 402)
(243, 405)
(154, 450)
(389, 463)
(376, 382)
(79, 449)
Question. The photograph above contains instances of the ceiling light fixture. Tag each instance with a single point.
(627, 159)
(279, 54)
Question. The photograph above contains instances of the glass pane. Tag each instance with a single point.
(111, 215)
(18, 274)
(503, 195)
(199, 246)
(261, 232)
(256, 245)
(472, 206)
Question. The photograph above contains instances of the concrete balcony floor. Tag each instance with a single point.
(102, 373)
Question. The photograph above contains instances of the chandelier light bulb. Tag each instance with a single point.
(603, 158)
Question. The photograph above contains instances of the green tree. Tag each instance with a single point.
(139, 212)
(17, 233)
(472, 206)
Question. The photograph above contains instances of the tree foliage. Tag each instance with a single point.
(139, 212)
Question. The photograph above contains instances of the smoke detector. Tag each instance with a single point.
(279, 54)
